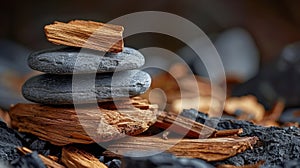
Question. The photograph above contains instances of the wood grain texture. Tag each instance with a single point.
(86, 34)
(64, 125)
(190, 128)
(76, 158)
(213, 149)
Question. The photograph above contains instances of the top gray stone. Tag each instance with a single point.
(71, 60)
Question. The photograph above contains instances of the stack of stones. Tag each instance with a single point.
(116, 82)
(55, 87)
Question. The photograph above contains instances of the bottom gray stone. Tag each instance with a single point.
(79, 89)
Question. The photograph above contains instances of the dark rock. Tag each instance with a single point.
(13, 65)
(290, 115)
(276, 145)
(288, 164)
(5, 164)
(278, 80)
(163, 160)
(115, 163)
(58, 89)
(13, 57)
(42, 147)
(9, 96)
(9, 140)
(31, 160)
(63, 60)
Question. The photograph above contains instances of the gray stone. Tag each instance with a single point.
(71, 60)
(62, 89)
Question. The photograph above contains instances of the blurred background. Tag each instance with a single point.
(271, 23)
(256, 39)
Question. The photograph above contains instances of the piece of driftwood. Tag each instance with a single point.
(65, 125)
(48, 162)
(213, 149)
(227, 133)
(190, 128)
(86, 34)
(75, 158)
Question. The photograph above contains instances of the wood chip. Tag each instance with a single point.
(184, 91)
(86, 34)
(214, 149)
(75, 158)
(248, 105)
(183, 125)
(276, 111)
(190, 128)
(48, 162)
(64, 125)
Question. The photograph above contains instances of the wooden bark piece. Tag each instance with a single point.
(191, 128)
(183, 126)
(64, 125)
(214, 149)
(48, 162)
(86, 34)
(75, 158)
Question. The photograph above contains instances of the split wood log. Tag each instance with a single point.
(183, 125)
(191, 128)
(86, 34)
(65, 125)
(75, 158)
(214, 149)
(48, 162)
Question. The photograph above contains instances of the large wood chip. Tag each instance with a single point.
(86, 34)
(64, 125)
(75, 158)
(191, 128)
(214, 149)
(183, 126)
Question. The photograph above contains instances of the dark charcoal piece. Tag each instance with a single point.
(115, 163)
(280, 79)
(200, 117)
(290, 164)
(42, 147)
(277, 145)
(290, 115)
(163, 160)
(5, 164)
(31, 160)
(9, 140)
(58, 89)
(63, 60)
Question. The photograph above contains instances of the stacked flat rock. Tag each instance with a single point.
(114, 79)
(74, 75)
